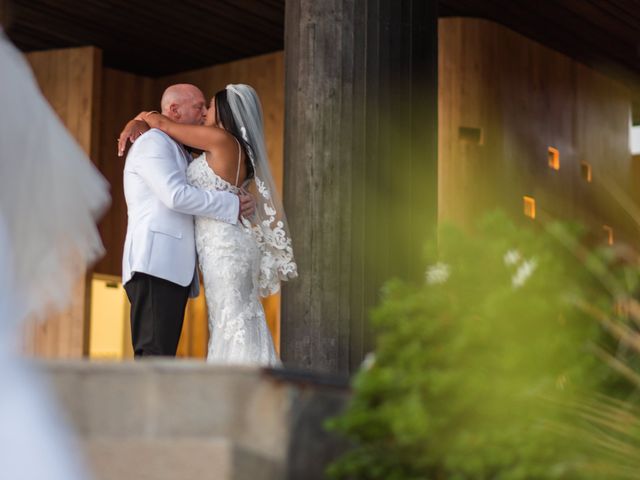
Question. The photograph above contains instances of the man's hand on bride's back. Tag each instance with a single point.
(247, 204)
(131, 132)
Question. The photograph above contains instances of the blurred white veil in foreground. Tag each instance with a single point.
(50, 198)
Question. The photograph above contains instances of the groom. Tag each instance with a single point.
(159, 261)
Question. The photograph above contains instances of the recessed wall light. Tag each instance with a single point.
(553, 158)
(470, 135)
(529, 206)
(585, 171)
(609, 234)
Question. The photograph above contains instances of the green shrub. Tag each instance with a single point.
(474, 369)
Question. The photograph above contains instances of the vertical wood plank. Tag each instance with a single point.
(67, 79)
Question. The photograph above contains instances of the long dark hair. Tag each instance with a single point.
(224, 116)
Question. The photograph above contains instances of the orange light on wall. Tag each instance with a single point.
(529, 206)
(553, 156)
(585, 171)
(609, 234)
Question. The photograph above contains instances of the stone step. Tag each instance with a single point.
(174, 399)
(185, 459)
(183, 415)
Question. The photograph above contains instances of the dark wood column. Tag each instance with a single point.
(360, 171)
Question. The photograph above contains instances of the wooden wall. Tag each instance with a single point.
(70, 79)
(95, 103)
(503, 101)
(265, 73)
(123, 96)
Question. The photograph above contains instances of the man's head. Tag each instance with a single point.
(184, 103)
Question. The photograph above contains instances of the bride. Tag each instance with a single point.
(242, 262)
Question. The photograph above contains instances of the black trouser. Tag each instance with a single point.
(157, 313)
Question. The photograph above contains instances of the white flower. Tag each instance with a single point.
(438, 273)
(512, 257)
(524, 271)
(369, 361)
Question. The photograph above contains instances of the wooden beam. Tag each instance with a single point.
(360, 166)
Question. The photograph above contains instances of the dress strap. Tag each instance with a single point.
(239, 160)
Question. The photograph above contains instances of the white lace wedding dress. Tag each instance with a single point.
(229, 258)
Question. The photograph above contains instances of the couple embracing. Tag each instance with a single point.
(221, 205)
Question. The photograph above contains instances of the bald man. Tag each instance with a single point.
(159, 261)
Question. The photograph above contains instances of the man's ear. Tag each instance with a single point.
(175, 111)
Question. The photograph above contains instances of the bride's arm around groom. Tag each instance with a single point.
(160, 163)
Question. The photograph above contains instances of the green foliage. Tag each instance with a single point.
(473, 370)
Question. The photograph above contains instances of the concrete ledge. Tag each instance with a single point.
(182, 411)
(177, 459)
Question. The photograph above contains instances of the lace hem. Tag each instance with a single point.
(276, 255)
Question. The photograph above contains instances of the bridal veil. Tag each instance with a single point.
(272, 232)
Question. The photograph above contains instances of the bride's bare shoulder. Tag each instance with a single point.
(223, 157)
(225, 147)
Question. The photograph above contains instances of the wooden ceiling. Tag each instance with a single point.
(148, 37)
(162, 37)
(604, 34)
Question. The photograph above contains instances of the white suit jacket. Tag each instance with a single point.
(161, 204)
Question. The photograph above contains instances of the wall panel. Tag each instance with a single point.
(124, 95)
(503, 101)
(70, 79)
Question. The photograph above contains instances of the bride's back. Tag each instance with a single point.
(228, 160)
